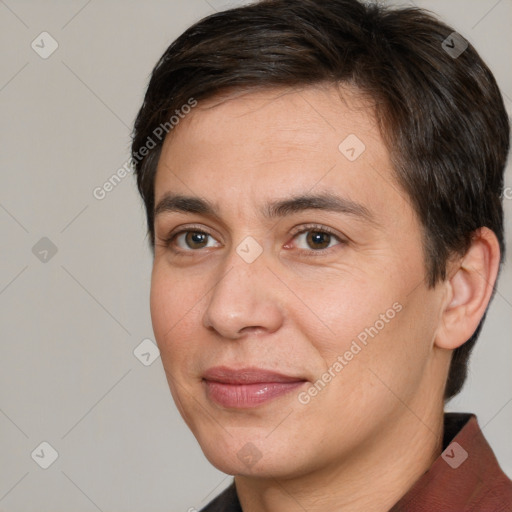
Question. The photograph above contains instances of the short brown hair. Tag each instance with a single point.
(441, 113)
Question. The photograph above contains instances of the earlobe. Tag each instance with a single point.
(470, 286)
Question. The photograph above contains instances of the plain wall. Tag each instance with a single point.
(70, 321)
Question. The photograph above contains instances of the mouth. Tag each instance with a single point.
(246, 388)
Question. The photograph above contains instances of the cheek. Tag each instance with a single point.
(177, 304)
(163, 305)
(347, 310)
(172, 310)
(373, 324)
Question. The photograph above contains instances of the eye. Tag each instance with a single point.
(315, 239)
(193, 240)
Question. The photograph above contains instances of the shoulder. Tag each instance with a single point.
(466, 476)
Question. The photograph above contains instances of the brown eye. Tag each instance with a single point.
(196, 239)
(193, 241)
(318, 239)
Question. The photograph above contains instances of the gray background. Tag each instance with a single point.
(70, 321)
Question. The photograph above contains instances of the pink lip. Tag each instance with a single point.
(247, 387)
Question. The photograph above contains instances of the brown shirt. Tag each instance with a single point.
(465, 478)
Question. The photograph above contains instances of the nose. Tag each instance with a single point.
(244, 300)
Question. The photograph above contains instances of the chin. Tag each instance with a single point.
(262, 468)
(253, 456)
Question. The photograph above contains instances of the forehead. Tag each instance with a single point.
(278, 142)
(290, 115)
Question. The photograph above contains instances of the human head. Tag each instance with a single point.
(442, 117)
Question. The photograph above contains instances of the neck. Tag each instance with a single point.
(372, 480)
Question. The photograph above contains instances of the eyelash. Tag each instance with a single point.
(318, 229)
(168, 241)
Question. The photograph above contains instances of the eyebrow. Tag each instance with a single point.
(275, 209)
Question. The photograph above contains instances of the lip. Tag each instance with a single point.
(245, 388)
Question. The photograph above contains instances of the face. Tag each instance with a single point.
(288, 296)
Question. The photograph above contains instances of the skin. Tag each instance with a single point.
(297, 307)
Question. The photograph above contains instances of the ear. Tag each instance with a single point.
(470, 285)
